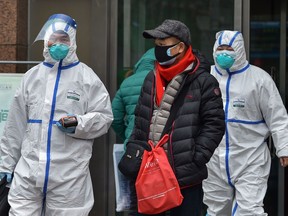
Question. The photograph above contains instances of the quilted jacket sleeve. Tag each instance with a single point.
(213, 120)
(118, 108)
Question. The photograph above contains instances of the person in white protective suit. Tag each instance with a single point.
(49, 159)
(239, 168)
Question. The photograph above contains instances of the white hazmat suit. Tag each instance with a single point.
(51, 168)
(239, 169)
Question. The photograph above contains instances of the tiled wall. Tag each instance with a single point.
(13, 34)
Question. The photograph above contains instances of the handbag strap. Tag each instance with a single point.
(161, 142)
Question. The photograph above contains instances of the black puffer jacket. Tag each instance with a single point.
(196, 122)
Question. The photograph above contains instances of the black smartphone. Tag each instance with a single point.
(69, 121)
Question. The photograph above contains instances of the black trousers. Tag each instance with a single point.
(191, 206)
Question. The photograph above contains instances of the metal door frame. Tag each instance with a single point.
(242, 24)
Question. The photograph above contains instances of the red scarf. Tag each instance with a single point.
(165, 74)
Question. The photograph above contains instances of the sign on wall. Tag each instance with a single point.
(9, 82)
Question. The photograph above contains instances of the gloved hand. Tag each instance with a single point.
(66, 130)
(67, 124)
(7, 175)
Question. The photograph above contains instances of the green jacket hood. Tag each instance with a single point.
(146, 62)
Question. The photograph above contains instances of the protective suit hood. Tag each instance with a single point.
(235, 40)
(55, 23)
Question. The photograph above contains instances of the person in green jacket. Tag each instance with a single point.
(126, 98)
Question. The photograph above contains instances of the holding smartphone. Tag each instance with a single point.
(68, 121)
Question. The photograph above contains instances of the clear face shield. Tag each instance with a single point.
(58, 24)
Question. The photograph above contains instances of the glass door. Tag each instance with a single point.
(203, 17)
(268, 48)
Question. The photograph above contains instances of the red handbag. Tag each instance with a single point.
(156, 185)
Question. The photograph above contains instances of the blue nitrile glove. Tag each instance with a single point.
(8, 176)
(66, 130)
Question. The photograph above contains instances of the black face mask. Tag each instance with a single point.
(162, 54)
